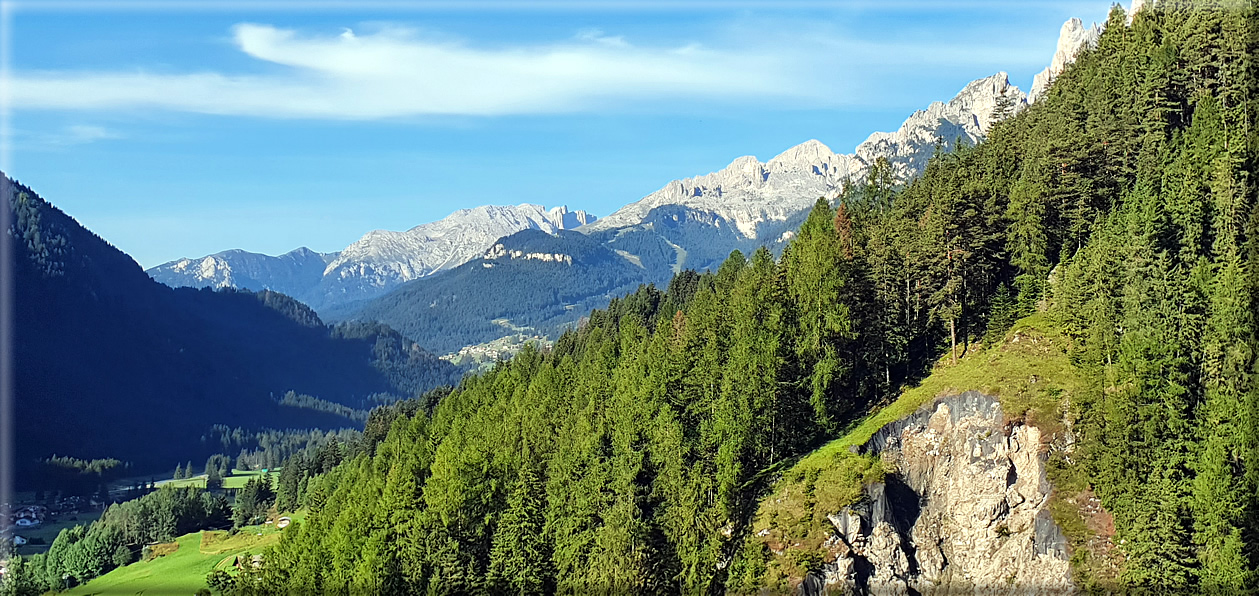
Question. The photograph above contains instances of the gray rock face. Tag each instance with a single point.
(964, 511)
(292, 273)
(1073, 38)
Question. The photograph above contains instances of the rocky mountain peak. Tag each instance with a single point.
(808, 152)
(377, 262)
(1072, 38)
(748, 193)
(567, 220)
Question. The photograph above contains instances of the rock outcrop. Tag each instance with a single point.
(964, 511)
(1073, 38)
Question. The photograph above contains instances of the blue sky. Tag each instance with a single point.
(184, 128)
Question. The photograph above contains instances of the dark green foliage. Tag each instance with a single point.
(1161, 296)
(213, 479)
(220, 581)
(252, 501)
(79, 477)
(289, 307)
(218, 464)
(309, 402)
(273, 447)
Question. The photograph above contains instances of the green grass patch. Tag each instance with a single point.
(1029, 373)
(183, 569)
(236, 480)
(180, 572)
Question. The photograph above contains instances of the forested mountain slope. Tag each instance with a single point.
(530, 279)
(1119, 211)
(110, 363)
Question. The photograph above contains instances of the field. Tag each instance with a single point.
(48, 531)
(236, 480)
(184, 570)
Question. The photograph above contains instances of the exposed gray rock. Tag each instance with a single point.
(963, 512)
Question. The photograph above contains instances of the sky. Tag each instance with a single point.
(179, 129)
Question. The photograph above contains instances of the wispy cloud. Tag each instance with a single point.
(395, 72)
(67, 136)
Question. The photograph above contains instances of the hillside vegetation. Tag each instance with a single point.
(488, 298)
(186, 562)
(631, 456)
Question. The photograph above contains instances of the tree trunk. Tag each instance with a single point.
(953, 338)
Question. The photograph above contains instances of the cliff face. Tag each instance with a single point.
(962, 509)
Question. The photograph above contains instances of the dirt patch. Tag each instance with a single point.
(1101, 561)
(210, 540)
(163, 549)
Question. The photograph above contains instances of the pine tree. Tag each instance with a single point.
(520, 558)
(213, 479)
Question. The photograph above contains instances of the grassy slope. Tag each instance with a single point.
(1030, 374)
(184, 571)
(236, 480)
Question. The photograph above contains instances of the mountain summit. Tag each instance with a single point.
(1071, 39)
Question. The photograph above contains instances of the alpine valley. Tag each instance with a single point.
(1010, 348)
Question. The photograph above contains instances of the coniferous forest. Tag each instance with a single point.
(1120, 211)
(630, 456)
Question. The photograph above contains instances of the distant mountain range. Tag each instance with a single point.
(109, 363)
(693, 223)
(292, 273)
(378, 262)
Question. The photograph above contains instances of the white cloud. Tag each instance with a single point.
(395, 72)
(66, 136)
(78, 134)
